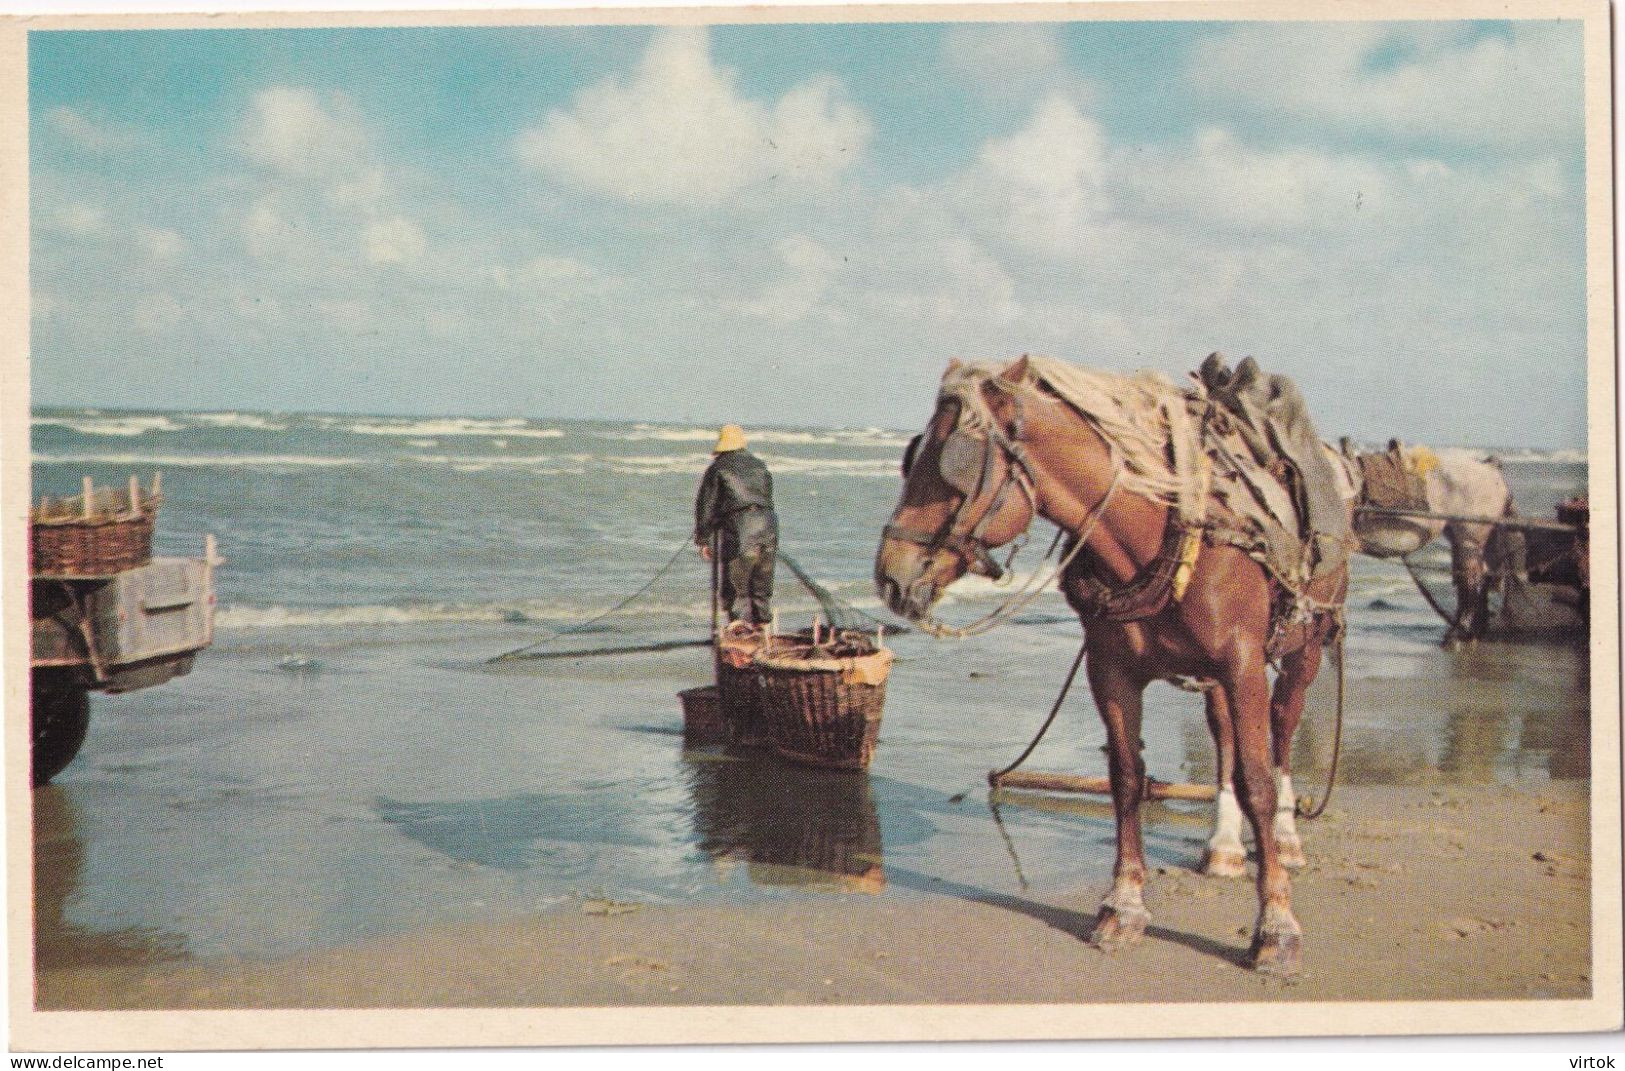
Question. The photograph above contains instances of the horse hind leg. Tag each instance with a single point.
(1224, 856)
(1468, 571)
(1277, 937)
(1298, 671)
(1122, 918)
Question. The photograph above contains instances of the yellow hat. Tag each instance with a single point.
(732, 437)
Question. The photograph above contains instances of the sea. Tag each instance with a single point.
(347, 760)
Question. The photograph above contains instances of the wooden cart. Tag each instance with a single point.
(106, 615)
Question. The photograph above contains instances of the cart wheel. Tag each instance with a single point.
(61, 714)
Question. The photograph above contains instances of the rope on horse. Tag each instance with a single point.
(1310, 813)
(993, 776)
(1029, 591)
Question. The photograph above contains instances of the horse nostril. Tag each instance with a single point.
(889, 591)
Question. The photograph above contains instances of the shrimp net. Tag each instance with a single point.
(672, 610)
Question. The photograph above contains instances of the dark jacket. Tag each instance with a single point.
(736, 497)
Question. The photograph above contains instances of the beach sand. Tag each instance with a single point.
(1443, 892)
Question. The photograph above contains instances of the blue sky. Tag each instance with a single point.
(800, 224)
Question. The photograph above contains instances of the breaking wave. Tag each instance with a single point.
(557, 464)
(1547, 457)
(120, 426)
(267, 617)
(866, 437)
(201, 461)
(248, 421)
(454, 426)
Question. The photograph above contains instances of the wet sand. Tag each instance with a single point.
(1423, 892)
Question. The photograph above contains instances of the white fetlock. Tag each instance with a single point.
(1225, 856)
(1285, 827)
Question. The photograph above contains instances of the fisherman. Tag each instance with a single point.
(735, 503)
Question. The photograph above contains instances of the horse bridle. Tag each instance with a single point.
(971, 542)
(961, 470)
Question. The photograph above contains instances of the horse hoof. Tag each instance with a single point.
(1289, 851)
(1116, 929)
(1225, 863)
(1279, 955)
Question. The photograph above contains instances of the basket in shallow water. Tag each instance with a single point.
(824, 709)
(739, 686)
(740, 691)
(702, 715)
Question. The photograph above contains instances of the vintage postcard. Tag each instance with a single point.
(534, 527)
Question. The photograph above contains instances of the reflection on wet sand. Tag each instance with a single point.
(790, 825)
(1504, 709)
(60, 943)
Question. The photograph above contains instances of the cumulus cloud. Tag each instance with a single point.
(1043, 185)
(326, 190)
(75, 218)
(807, 268)
(266, 232)
(1218, 180)
(161, 243)
(1444, 82)
(678, 131)
(396, 240)
(82, 131)
(294, 131)
(1011, 61)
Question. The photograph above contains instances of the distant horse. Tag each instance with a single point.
(1004, 448)
(1455, 484)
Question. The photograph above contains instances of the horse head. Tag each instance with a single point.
(967, 488)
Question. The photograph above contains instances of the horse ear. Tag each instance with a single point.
(1016, 371)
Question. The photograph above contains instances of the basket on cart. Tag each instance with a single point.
(96, 533)
(823, 701)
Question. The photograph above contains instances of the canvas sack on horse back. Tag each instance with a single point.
(1271, 416)
(1210, 471)
(1391, 480)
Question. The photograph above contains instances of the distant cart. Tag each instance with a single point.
(106, 615)
(1541, 569)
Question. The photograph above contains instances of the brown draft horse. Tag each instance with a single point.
(970, 488)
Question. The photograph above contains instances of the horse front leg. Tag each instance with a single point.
(1225, 856)
(1122, 918)
(1277, 937)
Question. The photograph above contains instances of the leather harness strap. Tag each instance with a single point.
(1102, 598)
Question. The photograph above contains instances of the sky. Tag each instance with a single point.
(800, 224)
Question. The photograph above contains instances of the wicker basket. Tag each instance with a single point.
(825, 711)
(739, 686)
(702, 716)
(90, 548)
(739, 679)
(102, 531)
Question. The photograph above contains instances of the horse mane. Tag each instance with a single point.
(1130, 410)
